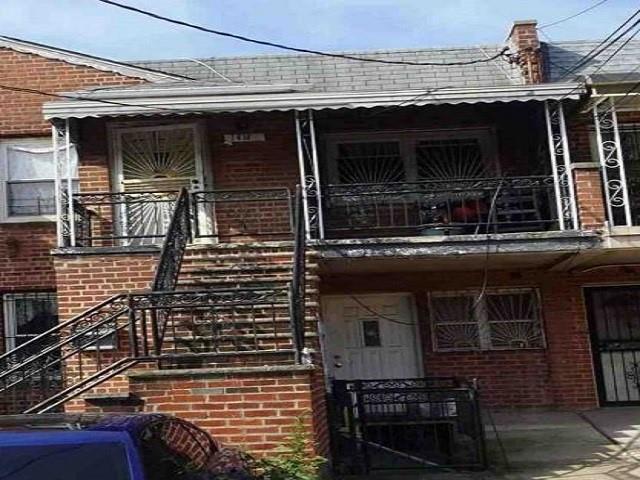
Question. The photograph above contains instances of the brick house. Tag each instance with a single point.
(474, 221)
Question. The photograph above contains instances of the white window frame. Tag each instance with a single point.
(408, 141)
(31, 142)
(481, 319)
(9, 316)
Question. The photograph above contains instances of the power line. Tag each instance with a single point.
(243, 38)
(76, 97)
(571, 17)
(603, 45)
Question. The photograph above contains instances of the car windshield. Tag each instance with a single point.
(95, 461)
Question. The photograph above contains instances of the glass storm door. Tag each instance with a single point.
(152, 165)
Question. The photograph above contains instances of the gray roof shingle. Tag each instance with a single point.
(328, 74)
(563, 56)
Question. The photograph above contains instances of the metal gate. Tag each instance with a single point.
(412, 423)
(614, 319)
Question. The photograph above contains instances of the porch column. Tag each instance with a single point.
(561, 165)
(61, 133)
(309, 173)
(612, 163)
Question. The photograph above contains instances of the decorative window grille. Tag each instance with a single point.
(499, 320)
(630, 143)
(450, 158)
(370, 162)
(27, 315)
(29, 177)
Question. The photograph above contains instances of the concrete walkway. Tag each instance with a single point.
(603, 444)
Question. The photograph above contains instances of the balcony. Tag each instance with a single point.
(134, 219)
(442, 207)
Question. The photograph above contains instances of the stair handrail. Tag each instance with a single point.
(175, 242)
(298, 281)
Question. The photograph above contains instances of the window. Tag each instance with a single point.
(499, 320)
(412, 156)
(27, 315)
(28, 178)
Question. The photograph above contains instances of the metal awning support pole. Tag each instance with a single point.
(612, 163)
(303, 174)
(309, 173)
(561, 165)
(69, 165)
(60, 222)
(316, 172)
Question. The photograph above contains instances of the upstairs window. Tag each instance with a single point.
(497, 320)
(382, 157)
(27, 171)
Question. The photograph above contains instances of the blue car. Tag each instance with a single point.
(123, 447)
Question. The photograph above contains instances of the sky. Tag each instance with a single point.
(91, 27)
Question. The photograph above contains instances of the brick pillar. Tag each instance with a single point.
(589, 195)
(525, 44)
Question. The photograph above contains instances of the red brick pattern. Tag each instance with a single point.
(22, 112)
(590, 198)
(254, 410)
(524, 38)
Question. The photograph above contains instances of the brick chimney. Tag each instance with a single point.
(525, 47)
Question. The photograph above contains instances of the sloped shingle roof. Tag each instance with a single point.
(563, 56)
(328, 74)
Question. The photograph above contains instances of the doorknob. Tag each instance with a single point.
(337, 365)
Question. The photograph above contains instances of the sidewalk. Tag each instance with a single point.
(603, 444)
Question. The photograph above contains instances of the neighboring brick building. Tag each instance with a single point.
(455, 221)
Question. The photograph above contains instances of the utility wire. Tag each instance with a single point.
(607, 42)
(76, 97)
(571, 17)
(243, 38)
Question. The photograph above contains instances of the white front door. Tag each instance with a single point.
(371, 337)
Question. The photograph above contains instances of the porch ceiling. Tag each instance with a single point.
(205, 98)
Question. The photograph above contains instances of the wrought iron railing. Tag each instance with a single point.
(120, 219)
(408, 423)
(241, 215)
(442, 207)
(175, 242)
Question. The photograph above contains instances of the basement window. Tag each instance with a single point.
(27, 174)
(497, 320)
(26, 315)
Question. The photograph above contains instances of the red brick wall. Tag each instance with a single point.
(22, 112)
(590, 198)
(560, 375)
(254, 410)
(526, 46)
(25, 262)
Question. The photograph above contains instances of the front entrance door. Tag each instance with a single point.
(614, 317)
(371, 337)
(152, 164)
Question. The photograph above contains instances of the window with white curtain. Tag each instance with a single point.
(28, 178)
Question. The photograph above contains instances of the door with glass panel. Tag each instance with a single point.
(152, 165)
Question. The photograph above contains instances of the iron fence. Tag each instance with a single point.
(440, 207)
(409, 423)
(118, 219)
(230, 215)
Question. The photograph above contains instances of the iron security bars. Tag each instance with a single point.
(406, 423)
(441, 207)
